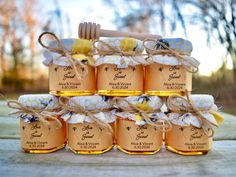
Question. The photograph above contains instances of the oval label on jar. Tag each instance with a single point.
(189, 138)
(88, 136)
(132, 137)
(63, 78)
(109, 77)
(38, 135)
(167, 78)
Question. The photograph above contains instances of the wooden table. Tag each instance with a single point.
(221, 161)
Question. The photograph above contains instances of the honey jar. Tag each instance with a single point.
(41, 129)
(138, 126)
(71, 68)
(170, 67)
(119, 67)
(193, 121)
(90, 124)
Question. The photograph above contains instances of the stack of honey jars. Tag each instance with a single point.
(108, 92)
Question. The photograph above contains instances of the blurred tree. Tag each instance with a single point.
(217, 17)
(20, 25)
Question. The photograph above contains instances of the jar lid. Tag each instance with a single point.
(39, 101)
(79, 48)
(176, 44)
(121, 44)
(201, 102)
(92, 102)
(145, 103)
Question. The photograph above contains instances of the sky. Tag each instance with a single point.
(210, 57)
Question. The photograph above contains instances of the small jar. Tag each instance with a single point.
(166, 74)
(134, 135)
(119, 67)
(191, 133)
(85, 134)
(44, 134)
(63, 80)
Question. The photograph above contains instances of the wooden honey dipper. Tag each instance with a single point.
(93, 31)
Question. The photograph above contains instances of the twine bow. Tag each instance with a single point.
(63, 101)
(60, 49)
(189, 107)
(43, 116)
(170, 52)
(163, 125)
(114, 51)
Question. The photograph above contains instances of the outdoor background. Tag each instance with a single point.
(209, 25)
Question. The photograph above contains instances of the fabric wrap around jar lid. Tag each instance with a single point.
(122, 52)
(89, 103)
(39, 101)
(30, 106)
(179, 45)
(150, 104)
(203, 103)
(80, 49)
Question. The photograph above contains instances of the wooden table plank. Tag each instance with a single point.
(221, 161)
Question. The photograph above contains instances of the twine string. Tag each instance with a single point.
(114, 51)
(189, 107)
(43, 116)
(77, 109)
(189, 66)
(60, 49)
(162, 124)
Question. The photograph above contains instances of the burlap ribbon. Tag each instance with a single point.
(63, 101)
(162, 124)
(189, 107)
(43, 115)
(60, 49)
(189, 65)
(114, 51)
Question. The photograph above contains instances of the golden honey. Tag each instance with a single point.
(134, 133)
(167, 73)
(89, 138)
(90, 124)
(193, 121)
(74, 74)
(137, 139)
(39, 131)
(38, 138)
(120, 72)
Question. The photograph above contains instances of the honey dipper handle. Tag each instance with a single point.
(140, 36)
(93, 31)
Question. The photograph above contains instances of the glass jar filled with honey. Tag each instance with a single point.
(138, 125)
(41, 129)
(170, 67)
(90, 123)
(193, 121)
(71, 66)
(119, 67)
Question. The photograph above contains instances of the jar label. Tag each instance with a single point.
(109, 77)
(63, 78)
(133, 137)
(88, 136)
(188, 138)
(38, 135)
(167, 78)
